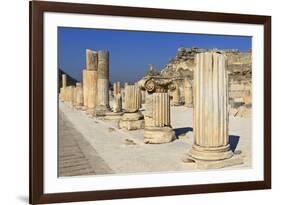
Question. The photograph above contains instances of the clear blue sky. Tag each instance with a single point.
(131, 52)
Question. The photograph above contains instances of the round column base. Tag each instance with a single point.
(210, 153)
(158, 135)
(113, 115)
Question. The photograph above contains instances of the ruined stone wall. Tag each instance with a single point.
(239, 67)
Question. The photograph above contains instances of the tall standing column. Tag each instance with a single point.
(91, 79)
(132, 118)
(103, 84)
(211, 148)
(188, 94)
(158, 124)
(64, 84)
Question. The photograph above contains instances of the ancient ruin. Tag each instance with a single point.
(211, 148)
(116, 88)
(102, 106)
(176, 96)
(157, 116)
(116, 110)
(85, 90)
(207, 86)
(132, 118)
(62, 96)
(78, 95)
(91, 80)
(188, 93)
(238, 66)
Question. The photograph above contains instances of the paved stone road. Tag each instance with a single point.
(76, 155)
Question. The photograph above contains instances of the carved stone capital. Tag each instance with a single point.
(157, 84)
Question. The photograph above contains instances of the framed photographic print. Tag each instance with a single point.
(139, 102)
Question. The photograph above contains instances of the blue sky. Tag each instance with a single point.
(131, 52)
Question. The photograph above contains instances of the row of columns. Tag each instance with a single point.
(208, 96)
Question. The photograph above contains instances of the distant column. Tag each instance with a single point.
(132, 118)
(116, 88)
(64, 80)
(79, 95)
(103, 84)
(188, 94)
(116, 111)
(62, 89)
(211, 147)
(69, 92)
(74, 103)
(85, 90)
(117, 104)
(176, 96)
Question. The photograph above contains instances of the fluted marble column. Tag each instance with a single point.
(103, 84)
(211, 147)
(188, 93)
(132, 118)
(161, 110)
(157, 121)
(132, 98)
(91, 79)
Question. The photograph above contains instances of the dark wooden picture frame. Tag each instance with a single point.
(37, 9)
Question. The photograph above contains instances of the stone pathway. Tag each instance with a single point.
(124, 152)
(76, 156)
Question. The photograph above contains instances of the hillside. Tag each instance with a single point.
(70, 80)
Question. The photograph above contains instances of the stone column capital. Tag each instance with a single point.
(155, 84)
